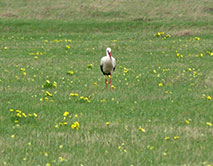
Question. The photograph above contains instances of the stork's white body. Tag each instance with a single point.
(108, 64)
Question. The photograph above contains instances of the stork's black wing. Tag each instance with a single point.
(101, 66)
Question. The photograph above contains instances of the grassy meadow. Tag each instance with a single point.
(55, 109)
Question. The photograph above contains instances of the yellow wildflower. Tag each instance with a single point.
(75, 125)
(11, 110)
(66, 114)
(187, 122)
(142, 129)
(167, 138)
(22, 69)
(35, 115)
(67, 46)
(70, 72)
(107, 123)
(24, 115)
(47, 81)
(209, 124)
(55, 84)
(90, 66)
(48, 94)
(125, 70)
(160, 84)
(176, 137)
(209, 98)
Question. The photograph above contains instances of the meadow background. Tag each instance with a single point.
(55, 109)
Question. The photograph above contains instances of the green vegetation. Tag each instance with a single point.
(55, 109)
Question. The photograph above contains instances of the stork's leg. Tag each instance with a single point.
(105, 80)
(110, 82)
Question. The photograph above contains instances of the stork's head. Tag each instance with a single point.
(108, 52)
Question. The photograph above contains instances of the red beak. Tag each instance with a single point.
(110, 55)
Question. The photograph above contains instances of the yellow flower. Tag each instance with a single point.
(70, 72)
(13, 136)
(167, 138)
(73, 94)
(160, 84)
(5, 48)
(24, 115)
(23, 69)
(66, 114)
(48, 94)
(142, 129)
(19, 115)
(67, 46)
(90, 66)
(47, 81)
(35, 115)
(95, 83)
(55, 84)
(197, 38)
(125, 70)
(209, 98)
(75, 125)
(154, 71)
(187, 121)
(209, 124)
(103, 101)
(46, 98)
(176, 137)
(11, 110)
(61, 159)
(107, 123)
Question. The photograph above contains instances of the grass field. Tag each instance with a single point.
(55, 109)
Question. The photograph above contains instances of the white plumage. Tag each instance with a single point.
(108, 64)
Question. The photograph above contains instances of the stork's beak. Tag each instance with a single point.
(110, 55)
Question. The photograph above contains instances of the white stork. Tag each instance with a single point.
(108, 64)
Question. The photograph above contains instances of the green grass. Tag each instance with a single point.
(176, 117)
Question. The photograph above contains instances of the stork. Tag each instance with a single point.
(108, 64)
